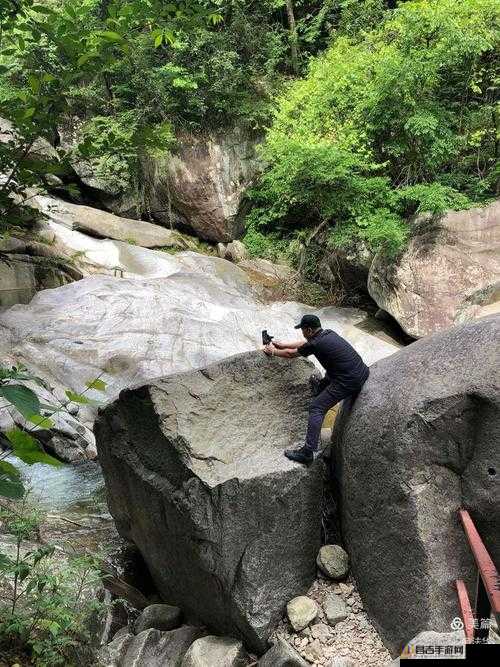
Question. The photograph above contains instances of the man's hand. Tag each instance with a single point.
(268, 349)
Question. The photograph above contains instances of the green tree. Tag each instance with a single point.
(394, 120)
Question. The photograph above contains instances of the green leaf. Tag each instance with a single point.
(9, 488)
(158, 40)
(34, 83)
(40, 9)
(111, 36)
(77, 398)
(41, 421)
(22, 398)
(6, 563)
(85, 57)
(9, 470)
(98, 384)
(28, 449)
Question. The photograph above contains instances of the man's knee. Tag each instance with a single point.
(317, 407)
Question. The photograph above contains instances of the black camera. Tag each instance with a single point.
(266, 338)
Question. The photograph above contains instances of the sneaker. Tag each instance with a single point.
(301, 455)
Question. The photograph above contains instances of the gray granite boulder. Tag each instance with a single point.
(196, 477)
(158, 617)
(419, 443)
(449, 273)
(150, 648)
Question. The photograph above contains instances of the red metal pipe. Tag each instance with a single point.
(486, 567)
(465, 610)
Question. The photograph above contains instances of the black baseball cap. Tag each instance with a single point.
(312, 321)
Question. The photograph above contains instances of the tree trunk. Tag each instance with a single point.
(294, 42)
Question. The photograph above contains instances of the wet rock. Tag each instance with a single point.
(281, 654)
(333, 561)
(158, 617)
(301, 612)
(209, 498)
(212, 651)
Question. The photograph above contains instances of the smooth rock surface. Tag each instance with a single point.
(421, 442)
(333, 561)
(205, 182)
(167, 314)
(301, 612)
(448, 274)
(281, 654)
(158, 617)
(95, 222)
(214, 651)
(228, 526)
(335, 609)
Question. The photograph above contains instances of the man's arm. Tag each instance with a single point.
(288, 346)
(272, 351)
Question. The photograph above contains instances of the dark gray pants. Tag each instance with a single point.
(319, 406)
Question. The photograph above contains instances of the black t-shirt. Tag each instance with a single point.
(339, 359)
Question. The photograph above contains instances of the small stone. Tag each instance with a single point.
(301, 612)
(351, 601)
(281, 654)
(335, 609)
(221, 250)
(320, 631)
(158, 617)
(217, 651)
(313, 653)
(346, 589)
(333, 561)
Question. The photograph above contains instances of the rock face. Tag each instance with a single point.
(420, 443)
(449, 273)
(204, 183)
(196, 477)
(96, 222)
(22, 276)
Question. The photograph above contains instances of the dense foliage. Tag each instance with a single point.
(48, 604)
(389, 121)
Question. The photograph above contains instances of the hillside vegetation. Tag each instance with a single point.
(389, 121)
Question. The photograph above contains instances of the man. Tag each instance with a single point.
(345, 375)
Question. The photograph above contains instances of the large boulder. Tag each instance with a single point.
(196, 477)
(102, 224)
(419, 443)
(448, 274)
(203, 184)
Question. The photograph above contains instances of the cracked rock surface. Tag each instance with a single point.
(421, 442)
(196, 477)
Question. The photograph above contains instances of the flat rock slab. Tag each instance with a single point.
(196, 477)
(106, 225)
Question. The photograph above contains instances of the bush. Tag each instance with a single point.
(391, 121)
(49, 604)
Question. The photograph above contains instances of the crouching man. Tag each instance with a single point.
(345, 375)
